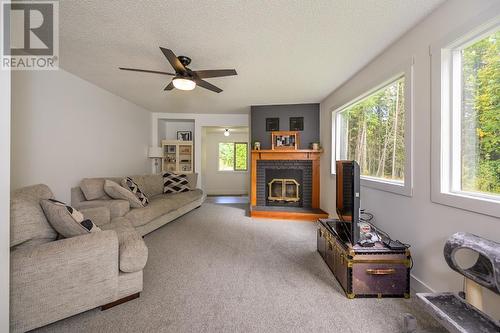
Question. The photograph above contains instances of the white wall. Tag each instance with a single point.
(5, 87)
(217, 182)
(65, 129)
(167, 128)
(200, 121)
(415, 220)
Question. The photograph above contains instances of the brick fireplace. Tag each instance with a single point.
(285, 184)
(298, 170)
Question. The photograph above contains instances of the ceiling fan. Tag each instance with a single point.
(185, 78)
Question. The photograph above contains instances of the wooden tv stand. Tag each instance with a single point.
(365, 271)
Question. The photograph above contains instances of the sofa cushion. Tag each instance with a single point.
(117, 208)
(150, 184)
(67, 220)
(27, 220)
(162, 204)
(128, 183)
(181, 199)
(116, 191)
(93, 188)
(99, 215)
(156, 208)
(192, 179)
(133, 251)
(175, 183)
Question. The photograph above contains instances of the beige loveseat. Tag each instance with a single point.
(162, 208)
(51, 278)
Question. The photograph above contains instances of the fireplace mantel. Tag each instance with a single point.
(287, 155)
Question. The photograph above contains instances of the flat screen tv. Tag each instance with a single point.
(348, 198)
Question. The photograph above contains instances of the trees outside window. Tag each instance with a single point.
(465, 114)
(479, 115)
(233, 156)
(372, 132)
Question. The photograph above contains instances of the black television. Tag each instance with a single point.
(348, 199)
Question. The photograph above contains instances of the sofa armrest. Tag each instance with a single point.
(117, 208)
(99, 215)
(58, 279)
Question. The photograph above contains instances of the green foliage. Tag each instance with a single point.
(226, 156)
(375, 129)
(241, 156)
(233, 156)
(481, 116)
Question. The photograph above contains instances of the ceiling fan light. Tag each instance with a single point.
(226, 132)
(183, 84)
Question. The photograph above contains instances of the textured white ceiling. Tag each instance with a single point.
(284, 51)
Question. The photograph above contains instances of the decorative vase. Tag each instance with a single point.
(256, 145)
(315, 145)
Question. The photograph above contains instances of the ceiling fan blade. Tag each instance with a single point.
(215, 73)
(170, 86)
(145, 71)
(207, 85)
(172, 59)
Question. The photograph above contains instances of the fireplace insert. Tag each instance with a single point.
(283, 190)
(284, 187)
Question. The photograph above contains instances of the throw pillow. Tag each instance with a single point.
(173, 183)
(116, 191)
(129, 184)
(66, 220)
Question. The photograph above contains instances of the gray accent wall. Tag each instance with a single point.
(310, 112)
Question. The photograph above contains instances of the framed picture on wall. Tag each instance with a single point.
(272, 124)
(296, 123)
(184, 135)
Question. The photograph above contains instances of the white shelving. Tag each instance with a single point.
(177, 156)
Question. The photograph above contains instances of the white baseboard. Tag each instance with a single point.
(419, 286)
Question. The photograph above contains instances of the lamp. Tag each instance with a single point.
(155, 153)
(183, 83)
(226, 132)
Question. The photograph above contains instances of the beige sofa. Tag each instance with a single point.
(51, 278)
(162, 208)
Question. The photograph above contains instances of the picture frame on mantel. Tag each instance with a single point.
(285, 140)
(272, 124)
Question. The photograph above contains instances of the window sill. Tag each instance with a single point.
(397, 187)
(481, 205)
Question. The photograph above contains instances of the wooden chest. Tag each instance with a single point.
(365, 271)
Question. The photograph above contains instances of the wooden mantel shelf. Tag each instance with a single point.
(287, 151)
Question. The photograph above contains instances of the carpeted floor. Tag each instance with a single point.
(216, 270)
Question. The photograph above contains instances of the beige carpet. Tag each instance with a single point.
(216, 270)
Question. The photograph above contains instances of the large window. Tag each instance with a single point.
(480, 116)
(375, 131)
(466, 111)
(372, 133)
(233, 156)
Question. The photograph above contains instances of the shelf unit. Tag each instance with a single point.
(177, 156)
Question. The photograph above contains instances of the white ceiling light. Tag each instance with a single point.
(183, 84)
(226, 132)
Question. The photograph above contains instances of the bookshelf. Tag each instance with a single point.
(177, 156)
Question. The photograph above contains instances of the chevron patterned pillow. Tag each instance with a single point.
(173, 183)
(66, 220)
(130, 185)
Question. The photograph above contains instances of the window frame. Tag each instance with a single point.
(234, 158)
(446, 118)
(405, 187)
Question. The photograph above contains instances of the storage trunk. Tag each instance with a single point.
(365, 271)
